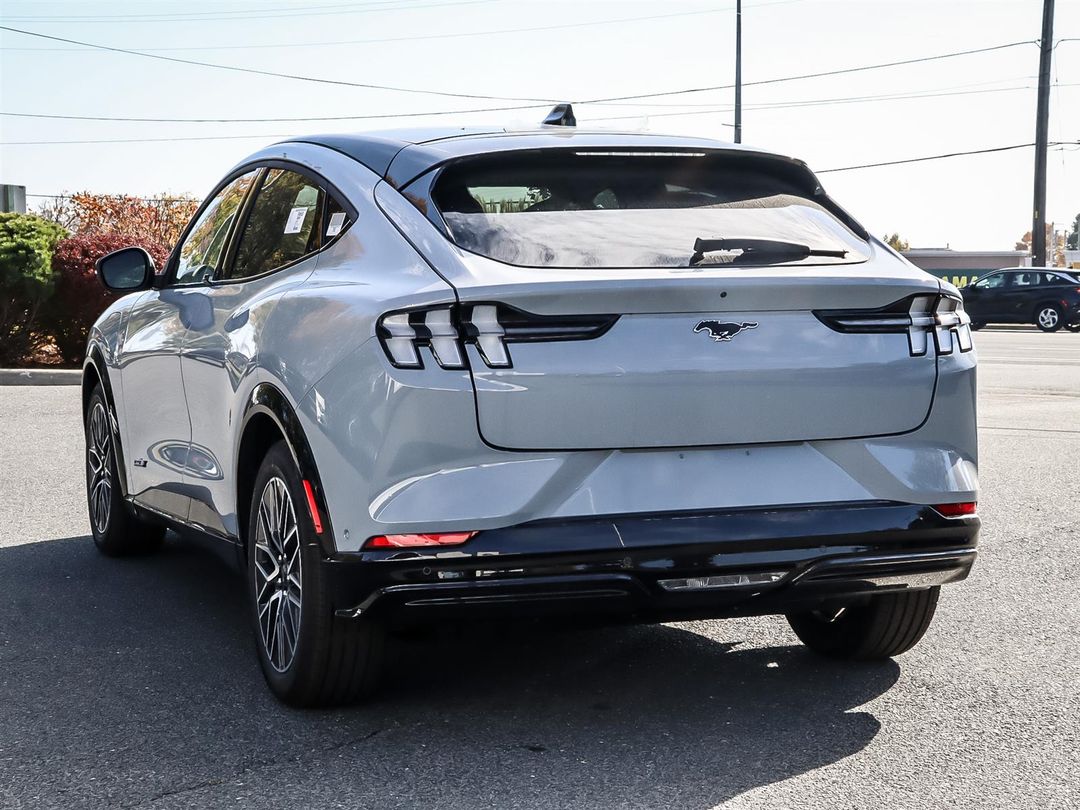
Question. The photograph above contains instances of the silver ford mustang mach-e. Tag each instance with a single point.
(422, 376)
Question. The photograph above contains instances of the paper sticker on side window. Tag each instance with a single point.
(295, 222)
(337, 222)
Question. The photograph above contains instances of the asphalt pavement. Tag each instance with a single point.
(133, 683)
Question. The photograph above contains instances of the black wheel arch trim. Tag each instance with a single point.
(267, 400)
(95, 359)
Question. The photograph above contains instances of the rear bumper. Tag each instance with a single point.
(665, 566)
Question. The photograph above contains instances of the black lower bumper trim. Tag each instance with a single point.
(661, 567)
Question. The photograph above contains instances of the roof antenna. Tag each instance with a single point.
(561, 115)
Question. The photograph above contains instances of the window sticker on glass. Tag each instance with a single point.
(337, 222)
(295, 222)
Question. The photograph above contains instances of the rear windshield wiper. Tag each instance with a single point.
(764, 249)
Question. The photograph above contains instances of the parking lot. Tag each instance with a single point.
(133, 683)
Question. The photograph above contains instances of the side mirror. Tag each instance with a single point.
(126, 270)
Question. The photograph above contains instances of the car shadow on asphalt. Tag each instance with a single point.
(135, 681)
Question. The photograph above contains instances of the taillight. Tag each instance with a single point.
(417, 540)
(917, 315)
(951, 510)
(446, 330)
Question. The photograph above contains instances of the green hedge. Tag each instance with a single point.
(27, 244)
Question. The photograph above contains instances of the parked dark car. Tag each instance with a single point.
(1045, 296)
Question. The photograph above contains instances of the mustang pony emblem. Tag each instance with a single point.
(723, 331)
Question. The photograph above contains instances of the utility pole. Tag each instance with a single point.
(738, 70)
(1042, 130)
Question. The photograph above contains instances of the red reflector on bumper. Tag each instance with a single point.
(414, 540)
(312, 507)
(956, 509)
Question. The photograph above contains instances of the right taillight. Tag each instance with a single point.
(919, 316)
(445, 331)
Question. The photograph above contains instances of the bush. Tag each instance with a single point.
(79, 298)
(26, 279)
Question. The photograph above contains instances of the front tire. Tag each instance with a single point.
(887, 625)
(309, 656)
(117, 531)
(1048, 317)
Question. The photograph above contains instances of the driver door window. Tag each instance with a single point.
(203, 249)
(991, 282)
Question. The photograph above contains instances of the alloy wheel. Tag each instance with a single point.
(278, 574)
(1048, 318)
(99, 468)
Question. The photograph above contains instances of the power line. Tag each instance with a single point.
(144, 140)
(256, 71)
(369, 117)
(941, 157)
(126, 196)
(218, 16)
(819, 75)
(378, 40)
(945, 92)
(460, 95)
(826, 102)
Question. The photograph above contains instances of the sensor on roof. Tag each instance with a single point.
(561, 115)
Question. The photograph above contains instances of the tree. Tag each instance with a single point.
(897, 243)
(157, 220)
(26, 279)
(1055, 245)
(1072, 242)
(79, 298)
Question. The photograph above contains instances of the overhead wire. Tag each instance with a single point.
(275, 74)
(241, 14)
(941, 156)
(410, 38)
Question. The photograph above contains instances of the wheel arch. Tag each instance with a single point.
(1046, 302)
(269, 418)
(95, 373)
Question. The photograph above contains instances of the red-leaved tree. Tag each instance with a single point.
(79, 297)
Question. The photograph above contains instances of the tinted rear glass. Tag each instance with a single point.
(610, 209)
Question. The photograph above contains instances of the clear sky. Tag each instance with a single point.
(590, 49)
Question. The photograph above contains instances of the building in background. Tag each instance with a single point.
(13, 198)
(961, 267)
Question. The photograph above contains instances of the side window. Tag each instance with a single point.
(285, 224)
(337, 219)
(203, 250)
(991, 282)
(1025, 279)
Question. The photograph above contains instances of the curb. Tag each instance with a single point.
(40, 376)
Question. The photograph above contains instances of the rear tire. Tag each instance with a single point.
(887, 625)
(116, 529)
(1073, 327)
(1048, 317)
(309, 656)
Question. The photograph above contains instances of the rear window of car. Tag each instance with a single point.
(638, 210)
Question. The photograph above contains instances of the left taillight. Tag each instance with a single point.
(445, 330)
(419, 540)
(403, 333)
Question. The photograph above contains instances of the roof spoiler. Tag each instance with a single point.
(561, 115)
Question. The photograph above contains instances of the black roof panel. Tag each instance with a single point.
(402, 155)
